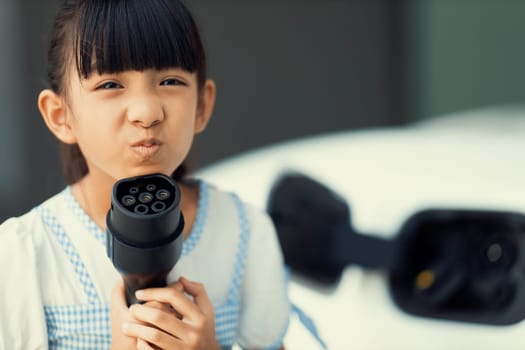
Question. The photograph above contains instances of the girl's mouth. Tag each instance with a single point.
(147, 148)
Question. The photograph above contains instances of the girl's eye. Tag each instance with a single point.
(171, 81)
(109, 85)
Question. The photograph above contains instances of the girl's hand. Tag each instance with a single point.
(187, 324)
(120, 315)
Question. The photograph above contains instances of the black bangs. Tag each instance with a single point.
(119, 35)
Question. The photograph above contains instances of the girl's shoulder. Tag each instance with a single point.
(226, 208)
(220, 203)
(18, 227)
(29, 225)
(210, 193)
(265, 311)
(20, 295)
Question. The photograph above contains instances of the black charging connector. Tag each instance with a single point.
(454, 264)
(463, 265)
(144, 231)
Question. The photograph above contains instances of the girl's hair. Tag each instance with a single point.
(112, 36)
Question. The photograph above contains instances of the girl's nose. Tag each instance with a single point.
(145, 111)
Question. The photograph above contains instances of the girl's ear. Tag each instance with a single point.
(206, 104)
(54, 111)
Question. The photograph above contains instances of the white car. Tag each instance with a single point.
(472, 165)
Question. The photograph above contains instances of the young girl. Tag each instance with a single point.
(127, 93)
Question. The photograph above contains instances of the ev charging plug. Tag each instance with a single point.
(144, 231)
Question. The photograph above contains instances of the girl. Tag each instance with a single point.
(127, 94)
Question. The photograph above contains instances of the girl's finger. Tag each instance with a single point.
(171, 296)
(119, 314)
(167, 322)
(164, 307)
(151, 335)
(199, 294)
(118, 296)
(177, 285)
(142, 345)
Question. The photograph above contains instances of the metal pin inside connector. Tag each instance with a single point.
(148, 199)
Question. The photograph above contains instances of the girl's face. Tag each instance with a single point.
(135, 122)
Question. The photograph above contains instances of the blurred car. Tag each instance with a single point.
(471, 161)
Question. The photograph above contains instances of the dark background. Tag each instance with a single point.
(286, 69)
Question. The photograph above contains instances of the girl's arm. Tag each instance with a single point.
(191, 326)
(120, 315)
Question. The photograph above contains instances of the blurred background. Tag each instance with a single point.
(286, 69)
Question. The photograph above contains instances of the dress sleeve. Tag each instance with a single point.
(265, 305)
(22, 321)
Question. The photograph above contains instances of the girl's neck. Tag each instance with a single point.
(94, 196)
